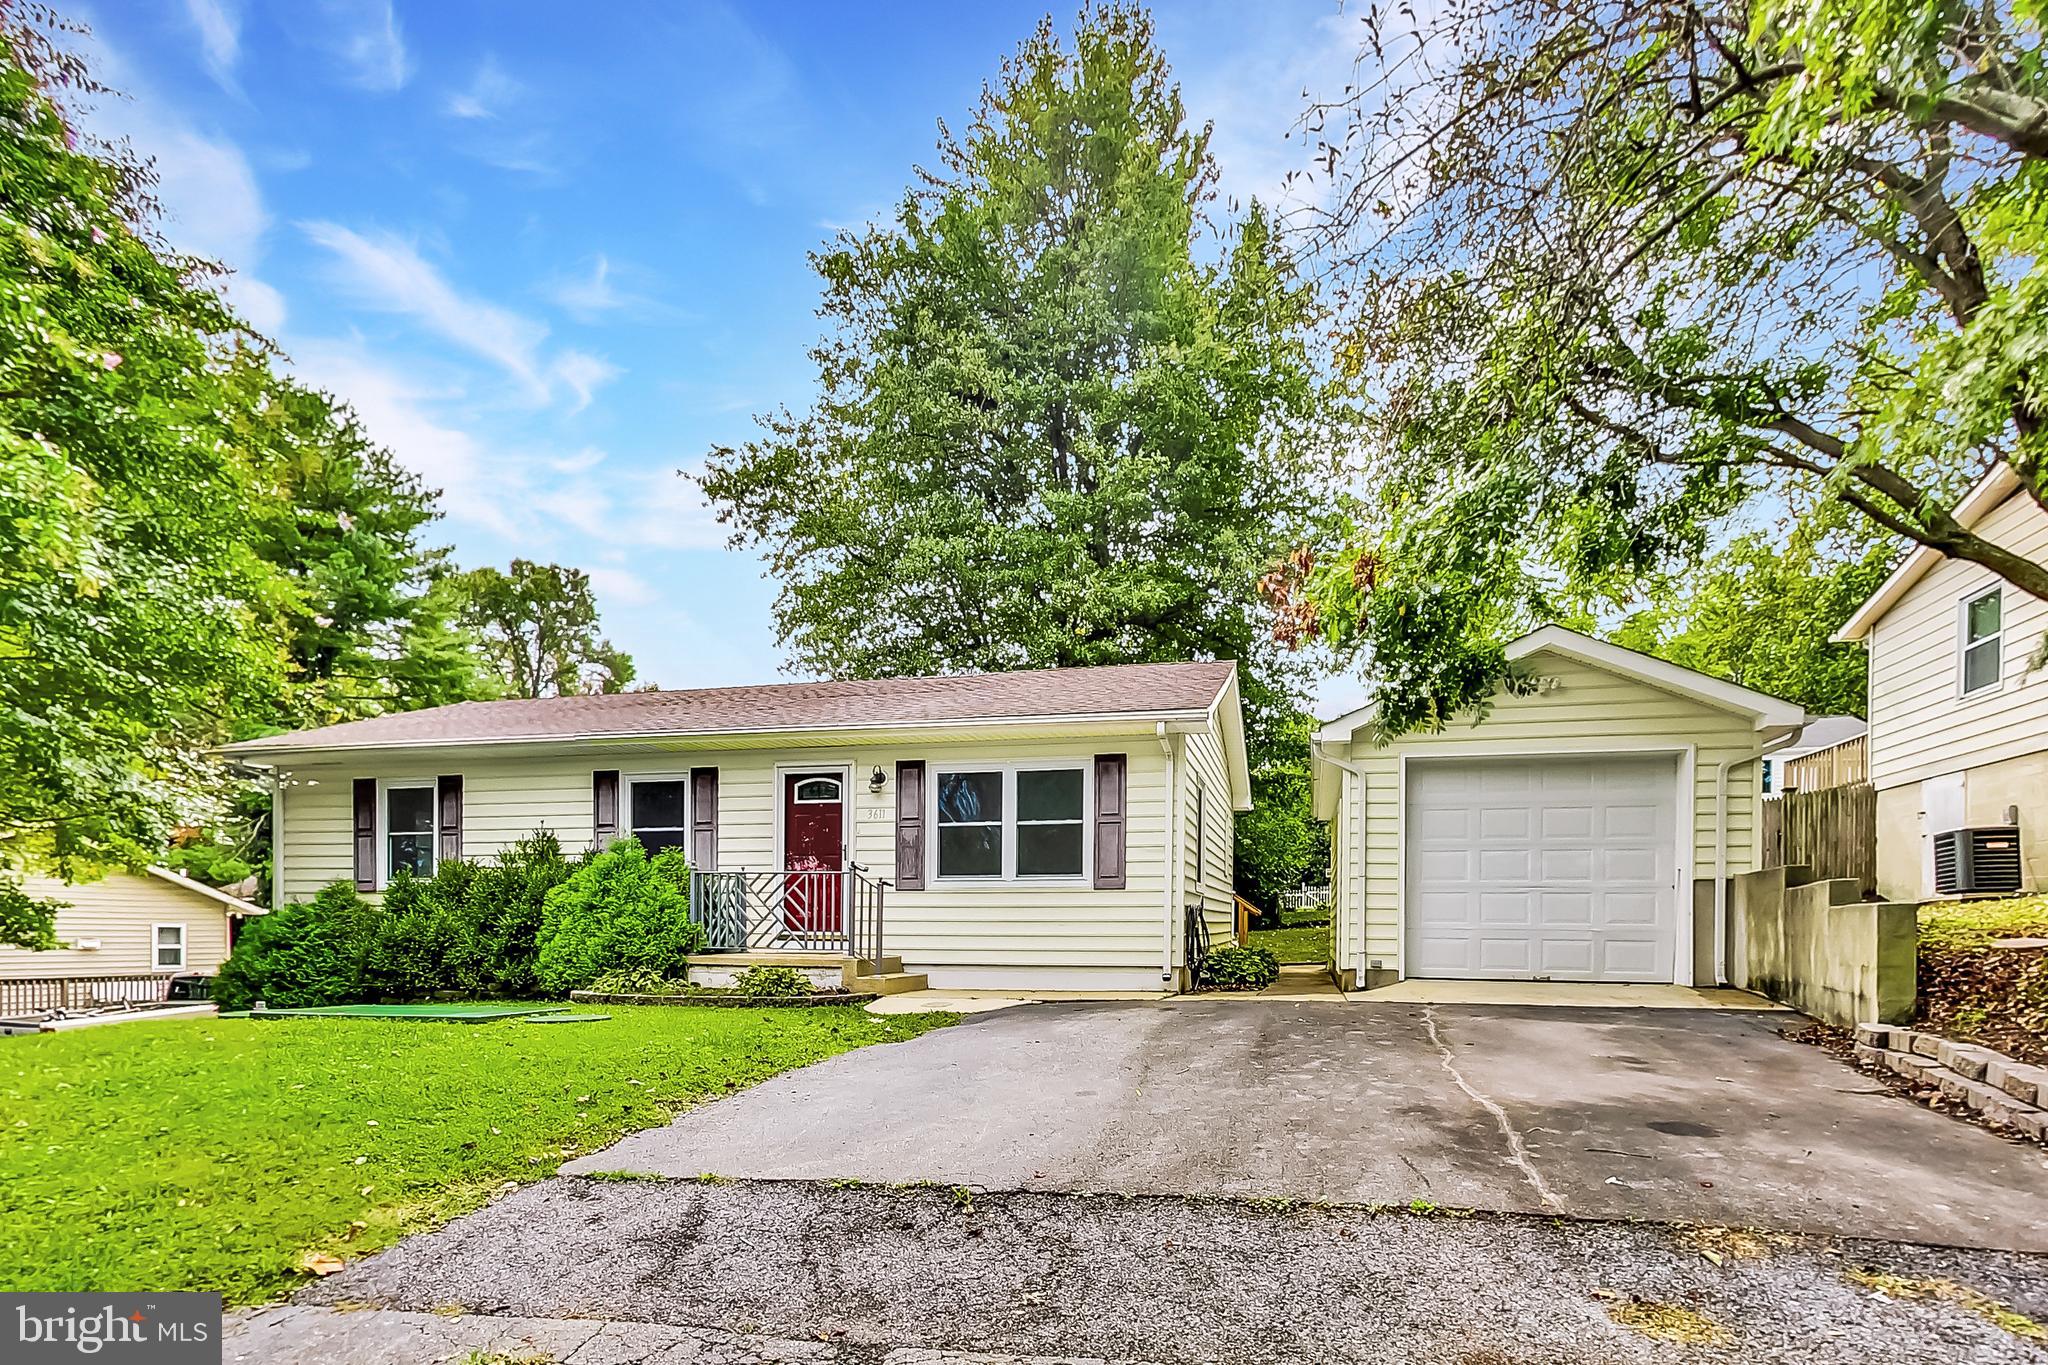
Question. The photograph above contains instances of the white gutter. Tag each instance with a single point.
(257, 751)
(1172, 854)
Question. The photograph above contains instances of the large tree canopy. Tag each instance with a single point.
(1060, 415)
(1618, 267)
(536, 625)
(128, 599)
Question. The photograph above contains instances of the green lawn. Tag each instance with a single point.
(220, 1153)
(1303, 936)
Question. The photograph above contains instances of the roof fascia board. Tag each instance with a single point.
(945, 731)
(1989, 494)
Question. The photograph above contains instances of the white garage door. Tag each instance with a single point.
(1542, 869)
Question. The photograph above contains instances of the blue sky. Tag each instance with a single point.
(554, 253)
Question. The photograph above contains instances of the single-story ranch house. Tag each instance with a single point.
(1058, 829)
(1582, 832)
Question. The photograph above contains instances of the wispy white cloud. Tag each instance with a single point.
(487, 95)
(607, 289)
(365, 36)
(589, 296)
(621, 587)
(220, 36)
(386, 273)
(583, 375)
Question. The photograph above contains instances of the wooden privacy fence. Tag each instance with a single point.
(1838, 765)
(1833, 831)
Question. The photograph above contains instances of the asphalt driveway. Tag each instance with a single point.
(1668, 1115)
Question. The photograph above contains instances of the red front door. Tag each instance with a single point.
(813, 840)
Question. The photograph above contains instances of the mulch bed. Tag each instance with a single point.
(727, 999)
(1994, 996)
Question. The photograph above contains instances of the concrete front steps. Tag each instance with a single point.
(868, 976)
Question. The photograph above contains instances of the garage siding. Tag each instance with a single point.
(963, 935)
(1205, 871)
(119, 912)
(1579, 707)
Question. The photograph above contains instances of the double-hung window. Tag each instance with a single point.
(408, 829)
(167, 948)
(1021, 822)
(657, 811)
(1981, 641)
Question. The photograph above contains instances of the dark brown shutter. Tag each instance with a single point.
(366, 834)
(910, 825)
(704, 819)
(604, 809)
(450, 791)
(1109, 821)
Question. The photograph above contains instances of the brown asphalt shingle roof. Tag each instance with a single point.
(1046, 694)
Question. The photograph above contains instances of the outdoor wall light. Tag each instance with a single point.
(877, 780)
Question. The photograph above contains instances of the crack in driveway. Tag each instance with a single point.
(1518, 1153)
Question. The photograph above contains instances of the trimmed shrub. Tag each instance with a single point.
(1239, 969)
(768, 980)
(469, 928)
(620, 909)
(311, 953)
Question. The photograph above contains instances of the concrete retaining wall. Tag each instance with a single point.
(1814, 946)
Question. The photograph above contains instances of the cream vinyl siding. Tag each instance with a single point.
(1205, 872)
(1920, 723)
(121, 911)
(962, 931)
(1581, 709)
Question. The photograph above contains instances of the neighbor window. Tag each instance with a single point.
(658, 815)
(1012, 822)
(409, 830)
(170, 945)
(1983, 633)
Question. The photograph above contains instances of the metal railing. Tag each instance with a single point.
(79, 992)
(832, 911)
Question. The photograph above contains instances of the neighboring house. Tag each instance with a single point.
(151, 924)
(1831, 752)
(1583, 832)
(1038, 830)
(1958, 720)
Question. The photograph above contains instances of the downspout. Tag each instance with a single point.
(1172, 857)
(1316, 750)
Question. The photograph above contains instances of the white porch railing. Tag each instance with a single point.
(836, 911)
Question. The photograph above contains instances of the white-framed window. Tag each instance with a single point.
(409, 814)
(1000, 822)
(657, 812)
(817, 791)
(167, 945)
(1980, 641)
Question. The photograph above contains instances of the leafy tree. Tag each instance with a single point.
(1280, 843)
(1761, 612)
(1617, 267)
(537, 626)
(340, 522)
(1061, 416)
(126, 591)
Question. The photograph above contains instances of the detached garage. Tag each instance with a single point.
(1577, 833)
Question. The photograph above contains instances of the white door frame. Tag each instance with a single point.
(1683, 818)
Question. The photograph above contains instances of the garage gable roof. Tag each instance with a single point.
(1766, 712)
